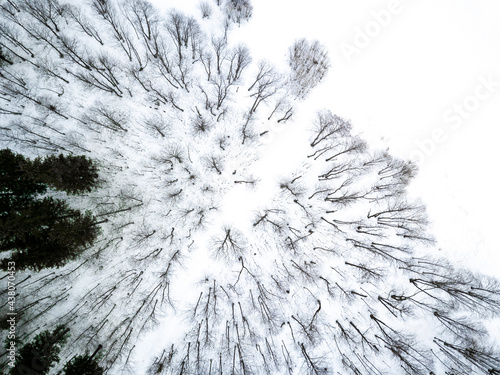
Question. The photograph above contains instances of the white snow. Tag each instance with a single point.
(424, 60)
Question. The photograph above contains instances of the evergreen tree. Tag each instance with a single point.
(72, 174)
(39, 355)
(46, 233)
(84, 365)
(16, 188)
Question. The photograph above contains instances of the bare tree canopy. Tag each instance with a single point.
(309, 63)
(183, 248)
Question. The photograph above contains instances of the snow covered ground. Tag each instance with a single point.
(416, 78)
(401, 83)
